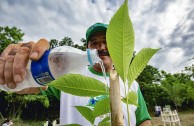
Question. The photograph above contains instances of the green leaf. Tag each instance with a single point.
(72, 125)
(104, 121)
(120, 40)
(79, 85)
(102, 107)
(132, 98)
(46, 123)
(105, 124)
(86, 112)
(139, 63)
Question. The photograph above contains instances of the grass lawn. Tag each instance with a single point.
(186, 119)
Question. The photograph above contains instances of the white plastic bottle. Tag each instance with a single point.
(54, 63)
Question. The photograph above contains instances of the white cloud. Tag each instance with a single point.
(176, 53)
(158, 24)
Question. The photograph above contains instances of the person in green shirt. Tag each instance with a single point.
(14, 60)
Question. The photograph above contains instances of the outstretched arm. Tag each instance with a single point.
(14, 60)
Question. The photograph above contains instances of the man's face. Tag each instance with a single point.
(98, 41)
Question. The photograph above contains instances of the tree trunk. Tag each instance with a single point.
(115, 100)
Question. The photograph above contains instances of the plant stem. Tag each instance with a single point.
(128, 115)
(115, 100)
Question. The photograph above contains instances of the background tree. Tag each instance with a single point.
(177, 85)
(190, 71)
(162, 88)
(16, 103)
(9, 36)
(155, 94)
(149, 75)
(53, 43)
(68, 42)
(83, 46)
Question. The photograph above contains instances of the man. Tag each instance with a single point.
(14, 60)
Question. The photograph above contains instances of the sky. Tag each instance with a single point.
(165, 24)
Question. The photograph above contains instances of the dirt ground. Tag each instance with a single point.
(186, 119)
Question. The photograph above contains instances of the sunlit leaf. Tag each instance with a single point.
(120, 40)
(104, 121)
(108, 123)
(79, 85)
(86, 112)
(132, 98)
(102, 107)
(72, 125)
(139, 63)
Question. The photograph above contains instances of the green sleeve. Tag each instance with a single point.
(141, 112)
(51, 91)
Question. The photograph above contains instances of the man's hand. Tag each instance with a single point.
(14, 60)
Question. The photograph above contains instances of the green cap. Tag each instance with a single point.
(97, 27)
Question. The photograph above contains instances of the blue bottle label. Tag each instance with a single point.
(89, 56)
(40, 70)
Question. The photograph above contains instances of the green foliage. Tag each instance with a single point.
(132, 98)
(72, 125)
(177, 93)
(9, 36)
(167, 106)
(102, 107)
(149, 75)
(84, 43)
(190, 90)
(139, 63)
(175, 89)
(68, 42)
(65, 41)
(32, 98)
(86, 112)
(190, 71)
(53, 43)
(120, 40)
(178, 85)
(155, 94)
(82, 47)
(80, 85)
(19, 102)
(105, 122)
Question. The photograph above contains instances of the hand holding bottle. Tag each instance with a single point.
(50, 65)
(14, 60)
